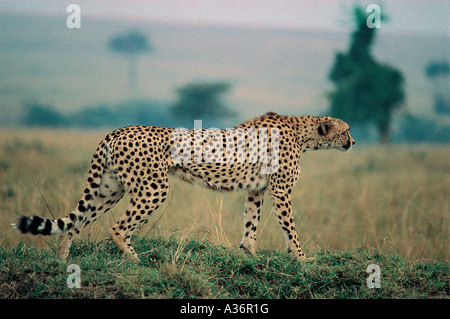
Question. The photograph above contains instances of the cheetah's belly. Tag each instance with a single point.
(224, 177)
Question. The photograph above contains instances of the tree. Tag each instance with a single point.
(131, 44)
(438, 73)
(202, 101)
(37, 114)
(365, 90)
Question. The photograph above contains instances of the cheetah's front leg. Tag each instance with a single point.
(251, 218)
(282, 204)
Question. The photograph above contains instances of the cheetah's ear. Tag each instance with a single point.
(324, 128)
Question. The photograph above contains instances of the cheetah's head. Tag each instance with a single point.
(332, 133)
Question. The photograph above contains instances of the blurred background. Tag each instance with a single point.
(115, 63)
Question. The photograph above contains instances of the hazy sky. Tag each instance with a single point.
(412, 16)
(293, 77)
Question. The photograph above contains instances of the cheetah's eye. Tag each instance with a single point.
(324, 128)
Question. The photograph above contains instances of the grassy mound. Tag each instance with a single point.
(191, 269)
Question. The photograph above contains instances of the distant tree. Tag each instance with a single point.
(417, 129)
(132, 45)
(365, 90)
(94, 117)
(42, 115)
(202, 101)
(438, 73)
(124, 113)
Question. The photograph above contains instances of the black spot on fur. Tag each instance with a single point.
(60, 224)
(35, 223)
(48, 227)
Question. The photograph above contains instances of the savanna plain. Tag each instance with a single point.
(384, 205)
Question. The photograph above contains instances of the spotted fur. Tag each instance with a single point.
(260, 155)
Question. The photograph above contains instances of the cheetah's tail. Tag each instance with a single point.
(43, 226)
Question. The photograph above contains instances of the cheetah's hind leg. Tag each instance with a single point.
(65, 242)
(138, 210)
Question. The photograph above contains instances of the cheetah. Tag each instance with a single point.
(259, 155)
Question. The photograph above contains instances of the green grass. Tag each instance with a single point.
(191, 269)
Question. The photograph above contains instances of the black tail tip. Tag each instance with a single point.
(34, 225)
(23, 224)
